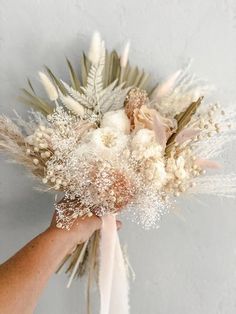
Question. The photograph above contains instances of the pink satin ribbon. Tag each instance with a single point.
(113, 282)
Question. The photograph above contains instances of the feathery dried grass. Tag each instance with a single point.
(13, 143)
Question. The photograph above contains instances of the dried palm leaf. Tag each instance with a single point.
(85, 67)
(75, 82)
(56, 81)
(182, 119)
(35, 101)
(31, 86)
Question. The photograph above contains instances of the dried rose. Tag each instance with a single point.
(144, 119)
(134, 100)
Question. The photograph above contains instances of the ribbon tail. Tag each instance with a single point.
(113, 282)
(119, 303)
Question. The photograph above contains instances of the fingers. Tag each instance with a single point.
(118, 224)
(93, 222)
(97, 222)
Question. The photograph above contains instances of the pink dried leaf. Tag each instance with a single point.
(208, 164)
(159, 129)
(185, 135)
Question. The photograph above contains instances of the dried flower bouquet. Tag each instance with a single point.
(111, 142)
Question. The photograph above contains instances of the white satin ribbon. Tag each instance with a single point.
(113, 282)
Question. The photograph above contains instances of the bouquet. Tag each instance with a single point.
(111, 142)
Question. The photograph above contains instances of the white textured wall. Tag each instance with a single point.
(188, 266)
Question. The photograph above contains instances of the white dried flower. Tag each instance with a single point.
(125, 55)
(106, 140)
(94, 52)
(117, 120)
(48, 86)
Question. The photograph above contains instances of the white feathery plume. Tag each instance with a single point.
(214, 146)
(48, 86)
(94, 52)
(72, 105)
(221, 185)
(185, 89)
(125, 55)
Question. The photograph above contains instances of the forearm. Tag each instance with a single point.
(23, 277)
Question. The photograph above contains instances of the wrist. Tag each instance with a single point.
(65, 238)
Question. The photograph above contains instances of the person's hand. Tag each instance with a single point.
(81, 230)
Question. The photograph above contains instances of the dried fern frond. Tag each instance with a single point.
(113, 99)
(110, 98)
(81, 98)
(94, 96)
(95, 79)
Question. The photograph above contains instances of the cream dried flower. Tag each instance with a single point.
(154, 171)
(143, 139)
(117, 120)
(149, 155)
